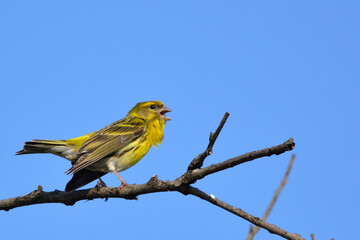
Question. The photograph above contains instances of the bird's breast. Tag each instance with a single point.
(154, 133)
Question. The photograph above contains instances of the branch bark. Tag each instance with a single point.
(241, 213)
(181, 184)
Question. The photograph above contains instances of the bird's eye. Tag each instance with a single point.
(152, 106)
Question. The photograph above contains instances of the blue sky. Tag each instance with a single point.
(282, 69)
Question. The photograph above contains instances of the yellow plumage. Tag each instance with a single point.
(113, 148)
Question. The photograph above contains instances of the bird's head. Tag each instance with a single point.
(150, 110)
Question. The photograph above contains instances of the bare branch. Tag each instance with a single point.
(70, 198)
(181, 184)
(132, 191)
(312, 236)
(279, 149)
(237, 211)
(199, 160)
(254, 230)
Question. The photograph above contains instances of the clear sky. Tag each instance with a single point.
(282, 69)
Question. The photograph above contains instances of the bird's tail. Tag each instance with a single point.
(63, 148)
(40, 146)
(57, 147)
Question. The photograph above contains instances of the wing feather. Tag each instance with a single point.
(108, 140)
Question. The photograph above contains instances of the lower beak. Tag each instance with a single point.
(163, 111)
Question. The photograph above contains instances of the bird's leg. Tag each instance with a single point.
(101, 183)
(123, 183)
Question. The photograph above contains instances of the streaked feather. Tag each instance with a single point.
(108, 140)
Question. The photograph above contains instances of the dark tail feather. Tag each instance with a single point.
(40, 146)
(81, 178)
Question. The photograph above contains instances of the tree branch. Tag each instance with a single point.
(267, 152)
(181, 184)
(241, 213)
(254, 230)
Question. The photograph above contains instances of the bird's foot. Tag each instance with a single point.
(125, 185)
(100, 184)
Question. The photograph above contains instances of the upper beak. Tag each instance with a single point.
(163, 111)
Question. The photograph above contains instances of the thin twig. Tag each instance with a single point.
(214, 136)
(255, 229)
(241, 213)
(312, 236)
(199, 160)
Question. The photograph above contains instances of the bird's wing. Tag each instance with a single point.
(107, 141)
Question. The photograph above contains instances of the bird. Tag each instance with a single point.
(113, 148)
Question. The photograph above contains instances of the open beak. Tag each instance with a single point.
(163, 111)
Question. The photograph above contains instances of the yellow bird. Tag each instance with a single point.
(113, 148)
